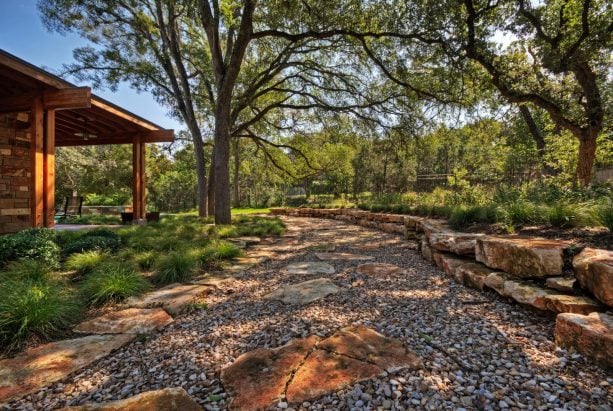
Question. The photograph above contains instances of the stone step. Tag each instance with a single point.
(129, 321)
(167, 399)
(173, 298)
(48, 363)
(304, 292)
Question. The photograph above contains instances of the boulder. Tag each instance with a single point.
(48, 363)
(566, 284)
(594, 271)
(522, 257)
(305, 292)
(472, 274)
(591, 335)
(130, 321)
(450, 263)
(167, 399)
(453, 242)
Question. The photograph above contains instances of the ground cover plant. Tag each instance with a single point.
(49, 280)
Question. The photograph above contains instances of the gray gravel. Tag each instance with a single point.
(479, 351)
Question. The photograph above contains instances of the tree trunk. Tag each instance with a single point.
(585, 163)
(211, 191)
(222, 160)
(237, 199)
(200, 168)
(537, 136)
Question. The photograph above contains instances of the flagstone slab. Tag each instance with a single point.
(172, 298)
(343, 257)
(368, 345)
(43, 365)
(129, 321)
(378, 269)
(310, 267)
(167, 399)
(305, 292)
(324, 372)
(259, 377)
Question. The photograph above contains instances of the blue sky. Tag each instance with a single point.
(23, 34)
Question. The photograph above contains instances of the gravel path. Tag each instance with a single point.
(479, 351)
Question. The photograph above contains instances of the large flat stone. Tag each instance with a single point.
(305, 292)
(343, 257)
(594, 271)
(450, 262)
(259, 377)
(591, 335)
(310, 268)
(130, 321)
(172, 298)
(472, 274)
(577, 304)
(522, 257)
(324, 372)
(167, 399)
(43, 365)
(368, 345)
(453, 242)
(378, 269)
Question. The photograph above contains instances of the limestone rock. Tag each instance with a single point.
(378, 269)
(472, 274)
(528, 294)
(522, 257)
(309, 268)
(594, 271)
(305, 292)
(167, 399)
(565, 284)
(324, 372)
(426, 251)
(130, 321)
(496, 281)
(43, 365)
(343, 257)
(173, 298)
(451, 262)
(591, 335)
(562, 303)
(260, 376)
(453, 242)
(368, 345)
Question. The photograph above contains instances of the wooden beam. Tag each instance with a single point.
(108, 107)
(155, 136)
(32, 71)
(71, 98)
(138, 180)
(37, 163)
(49, 169)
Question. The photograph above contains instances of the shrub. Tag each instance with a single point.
(26, 270)
(604, 214)
(101, 232)
(111, 282)
(145, 260)
(34, 307)
(93, 243)
(86, 262)
(34, 244)
(175, 267)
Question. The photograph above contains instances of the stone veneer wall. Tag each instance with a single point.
(15, 172)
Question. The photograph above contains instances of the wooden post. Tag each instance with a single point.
(138, 179)
(49, 169)
(37, 158)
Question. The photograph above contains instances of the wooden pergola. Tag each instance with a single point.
(61, 115)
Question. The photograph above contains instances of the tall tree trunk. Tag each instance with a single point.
(222, 160)
(537, 136)
(200, 168)
(237, 199)
(211, 191)
(587, 155)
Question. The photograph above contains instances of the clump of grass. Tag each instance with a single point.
(217, 251)
(34, 305)
(145, 260)
(175, 267)
(112, 282)
(258, 226)
(86, 262)
(604, 214)
(27, 270)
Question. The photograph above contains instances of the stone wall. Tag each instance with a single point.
(15, 176)
(542, 274)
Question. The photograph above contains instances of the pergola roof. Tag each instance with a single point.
(78, 111)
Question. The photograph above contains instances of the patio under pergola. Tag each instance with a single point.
(39, 111)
